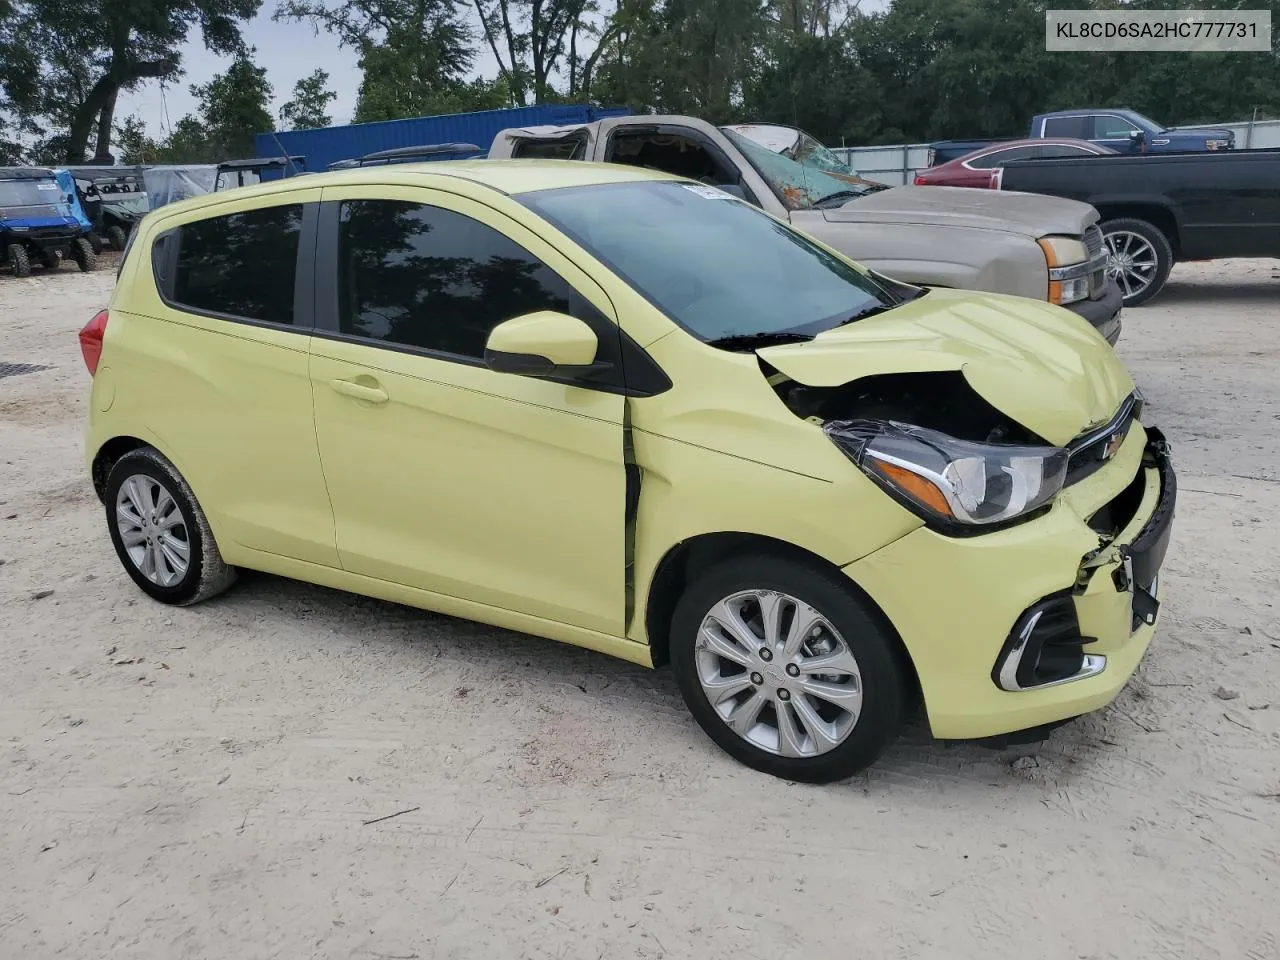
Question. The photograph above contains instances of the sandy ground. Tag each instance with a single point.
(196, 783)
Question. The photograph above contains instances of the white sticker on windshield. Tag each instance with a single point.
(710, 193)
(46, 186)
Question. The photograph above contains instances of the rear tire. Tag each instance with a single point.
(1132, 244)
(160, 533)
(82, 253)
(117, 236)
(827, 699)
(19, 262)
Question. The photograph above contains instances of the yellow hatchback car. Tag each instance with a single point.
(634, 413)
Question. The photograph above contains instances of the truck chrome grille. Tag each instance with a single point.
(1093, 241)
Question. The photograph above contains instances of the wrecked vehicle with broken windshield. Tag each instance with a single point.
(909, 492)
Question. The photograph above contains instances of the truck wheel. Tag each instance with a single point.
(117, 236)
(96, 243)
(782, 665)
(82, 253)
(1139, 258)
(51, 260)
(19, 263)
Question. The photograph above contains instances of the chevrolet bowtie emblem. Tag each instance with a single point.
(1112, 445)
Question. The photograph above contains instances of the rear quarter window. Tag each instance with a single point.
(240, 265)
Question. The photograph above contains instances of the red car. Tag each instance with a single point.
(978, 169)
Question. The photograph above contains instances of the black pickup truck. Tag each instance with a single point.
(1158, 209)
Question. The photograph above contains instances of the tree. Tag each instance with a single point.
(87, 51)
(233, 107)
(135, 146)
(311, 96)
(817, 84)
(538, 36)
(414, 54)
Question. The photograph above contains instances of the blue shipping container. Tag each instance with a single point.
(331, 144)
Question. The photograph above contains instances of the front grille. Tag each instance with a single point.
(1093, 241)
(1092, 450)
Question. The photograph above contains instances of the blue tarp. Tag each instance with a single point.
(68, 185)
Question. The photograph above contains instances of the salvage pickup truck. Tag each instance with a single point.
(1159, 209)
(1038, 247)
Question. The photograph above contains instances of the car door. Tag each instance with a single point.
(445, 476)
(1112, 131)
(221, 345)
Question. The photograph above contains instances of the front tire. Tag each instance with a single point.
(160, 533)
(117, 237)
(1139, 258)
(82, 253)
(786, 669)
(19, 262)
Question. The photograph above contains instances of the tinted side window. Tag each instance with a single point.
(421, 276)
(241, 264)
(1107, 127)
(1061, 151)
(1002, 156)
(1076, 128)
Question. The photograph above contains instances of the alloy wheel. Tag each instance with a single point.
(778, 673)
(152, 530)
(1131, 261)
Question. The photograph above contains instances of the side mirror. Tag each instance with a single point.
(1137, 136)
(543, 344)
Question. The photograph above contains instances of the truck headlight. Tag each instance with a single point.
(1069, 269)
(955, 481)
(1217, 144)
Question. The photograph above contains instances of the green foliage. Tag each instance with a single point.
(133, 144)
(65, 61)
(232, 108)
(414, 54)
(311, 97)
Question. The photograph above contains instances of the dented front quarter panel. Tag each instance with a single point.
(1041, 365)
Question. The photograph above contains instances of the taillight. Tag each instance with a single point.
(921, 181)
(91, 340)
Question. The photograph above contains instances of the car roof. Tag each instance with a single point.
(1037, 142)
(26, 173)
(510, 177)
(1083, 110)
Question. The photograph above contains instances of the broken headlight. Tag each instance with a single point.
(956, 481)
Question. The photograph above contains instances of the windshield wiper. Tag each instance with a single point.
(843, 196)
(765, 338)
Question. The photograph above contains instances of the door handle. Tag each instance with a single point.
(360, 391)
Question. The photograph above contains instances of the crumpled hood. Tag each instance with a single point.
(1028, 214)
(1040, 364)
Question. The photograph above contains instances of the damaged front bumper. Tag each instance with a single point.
(1034, 624)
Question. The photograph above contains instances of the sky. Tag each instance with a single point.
(289, 51)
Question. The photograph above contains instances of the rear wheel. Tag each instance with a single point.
(1139, 258)
(784, 667)
(117, 236)
(19, 262)
(82, 253)
(160, 532)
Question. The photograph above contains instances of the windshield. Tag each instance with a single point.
(811, 153)
(717, 266)
(135, 203)
(799, 187)
(29, 193)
